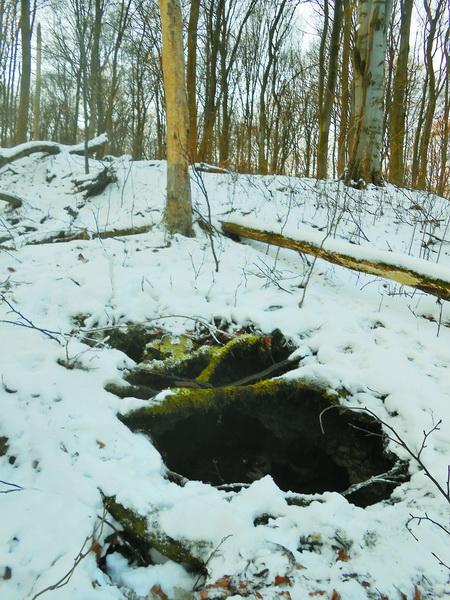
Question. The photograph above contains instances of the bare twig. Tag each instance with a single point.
(201, 184)
(86, 548)
(16, 487)
(395, 437)
(28, 323)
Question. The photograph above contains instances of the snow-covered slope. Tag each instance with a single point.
(387, 346)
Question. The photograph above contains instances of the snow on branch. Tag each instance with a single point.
(9, 155)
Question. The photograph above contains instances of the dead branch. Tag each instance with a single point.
(13, 200)
(83, 234)
(95, 184)
(375, 263)
(25, 322)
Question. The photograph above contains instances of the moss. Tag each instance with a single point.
(132, 342)
(146, 537)
(187, 401)
(131, 521)
(142, 392)
(232, 361)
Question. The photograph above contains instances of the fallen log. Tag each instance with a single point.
(83, 234)
(406, 270)
(9, 155)
(12, 199)
(95, 183)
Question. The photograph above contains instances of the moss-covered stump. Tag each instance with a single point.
(230, 435)
(167, 361)
(143, 538)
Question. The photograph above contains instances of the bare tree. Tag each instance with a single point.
(25, 79)
(178, 212)
(37, 93)
(398, 107)
(327, 91)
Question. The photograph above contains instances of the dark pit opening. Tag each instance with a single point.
(233, 424)
(275, 432)
(231, 447)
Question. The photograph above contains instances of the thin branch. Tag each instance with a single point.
(395, 437)
(28, 323)
(16, 487)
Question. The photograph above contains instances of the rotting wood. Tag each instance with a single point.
(426, 283)
(96, 184)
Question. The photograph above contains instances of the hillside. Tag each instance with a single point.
(71, 270)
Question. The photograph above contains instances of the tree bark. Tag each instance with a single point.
(431, 279)
(178, 211)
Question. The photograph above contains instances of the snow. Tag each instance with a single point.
(388, 346)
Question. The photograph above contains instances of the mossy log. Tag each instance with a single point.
(139, 532)
(432, 279)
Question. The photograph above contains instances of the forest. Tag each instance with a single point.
(273, 86)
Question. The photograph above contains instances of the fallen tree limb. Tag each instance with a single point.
(95, 183)
(9, 155)
(83, 234)
(406, 270)
(13, 200)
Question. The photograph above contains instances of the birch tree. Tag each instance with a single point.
(368, 92)
(178, 212)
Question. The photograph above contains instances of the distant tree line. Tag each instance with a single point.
(367, 95)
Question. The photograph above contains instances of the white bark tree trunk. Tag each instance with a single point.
(178, 212)
(367, 116)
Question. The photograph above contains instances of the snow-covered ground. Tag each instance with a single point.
(387, 345)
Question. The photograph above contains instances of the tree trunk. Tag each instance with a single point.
(367, 115)
(345, 90)
(37, 94)
(432, 91)
(24, 101)
(94, 79)
(191, 78)
(178, 211)
(398, 110)
(443, 169)
(326, 107)
(215, 17)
